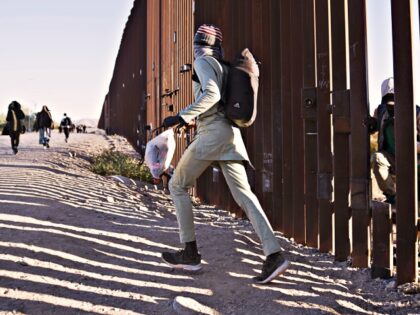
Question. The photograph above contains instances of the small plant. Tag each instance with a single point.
(116, 163)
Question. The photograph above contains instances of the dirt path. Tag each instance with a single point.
(72, 242)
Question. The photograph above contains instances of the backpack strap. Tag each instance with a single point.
(225, 66)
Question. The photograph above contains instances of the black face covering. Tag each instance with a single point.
(390, 110)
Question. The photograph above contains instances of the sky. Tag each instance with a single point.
(61, 53)
(380, 54)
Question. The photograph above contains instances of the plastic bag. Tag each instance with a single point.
(159, 152)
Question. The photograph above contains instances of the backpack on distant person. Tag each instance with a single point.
(241, 89)
(66, 122)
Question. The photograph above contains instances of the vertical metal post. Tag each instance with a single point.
(309, 113)
(286, 117)
(360, 144)
(276, 122)
(297, 124)
(382, 262)
(341, 123)
(405, 142)
(324, 189)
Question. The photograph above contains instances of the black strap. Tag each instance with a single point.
(225, 65)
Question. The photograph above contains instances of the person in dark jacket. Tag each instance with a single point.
(14, 124)
(66, 125)
(44, 124)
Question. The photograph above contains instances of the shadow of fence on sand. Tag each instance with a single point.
(79, 243)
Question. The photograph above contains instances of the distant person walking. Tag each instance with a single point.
(14, 124)
(43, 125)
(383, 161)
(65, 126)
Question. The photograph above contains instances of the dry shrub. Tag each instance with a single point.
(116, 163)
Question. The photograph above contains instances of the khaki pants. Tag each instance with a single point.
(383, 165)
(189, 169)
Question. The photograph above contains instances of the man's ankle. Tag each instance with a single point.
(191, 248)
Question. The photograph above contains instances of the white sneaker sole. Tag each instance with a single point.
(184, 267)
(280, 269)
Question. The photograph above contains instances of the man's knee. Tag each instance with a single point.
(172, 185)
(175, 186)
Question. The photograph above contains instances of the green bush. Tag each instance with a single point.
(116, 163)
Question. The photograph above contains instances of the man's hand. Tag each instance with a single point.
(371, 123)
(172, 121)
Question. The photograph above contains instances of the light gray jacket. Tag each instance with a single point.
(216, 138)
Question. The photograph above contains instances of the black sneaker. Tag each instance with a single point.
(273, 266)
(182, 260)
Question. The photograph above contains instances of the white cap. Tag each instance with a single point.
(387, 86)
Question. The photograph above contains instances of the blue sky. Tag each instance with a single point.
(62, 52)
(380, 47)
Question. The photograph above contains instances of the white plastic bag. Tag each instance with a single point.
(159, 152)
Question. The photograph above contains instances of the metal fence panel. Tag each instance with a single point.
(405, 143)
(290, 143)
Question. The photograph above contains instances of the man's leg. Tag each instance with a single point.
(66, 133)
(17, 139)
(41, 135)
(382, 165)
(14, 138)
(187, 171)
(236, 178)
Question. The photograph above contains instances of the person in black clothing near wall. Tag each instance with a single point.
(14, 124)
(65, 125)
(43, 124)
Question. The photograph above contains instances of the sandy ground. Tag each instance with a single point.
(72, 242)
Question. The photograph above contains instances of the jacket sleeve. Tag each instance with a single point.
(210, 95)
(9, 116)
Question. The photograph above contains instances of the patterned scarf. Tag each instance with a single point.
(213, 51)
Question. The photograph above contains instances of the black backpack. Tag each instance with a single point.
(241, 89)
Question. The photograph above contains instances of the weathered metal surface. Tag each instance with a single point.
(286, 119)
(360, 142)
(405, 144)
(234, 17)
(324, 189)
(382, 256)
(298, 166)
(309, 111)
(276, 112)
(124, 107)
(341, 124)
